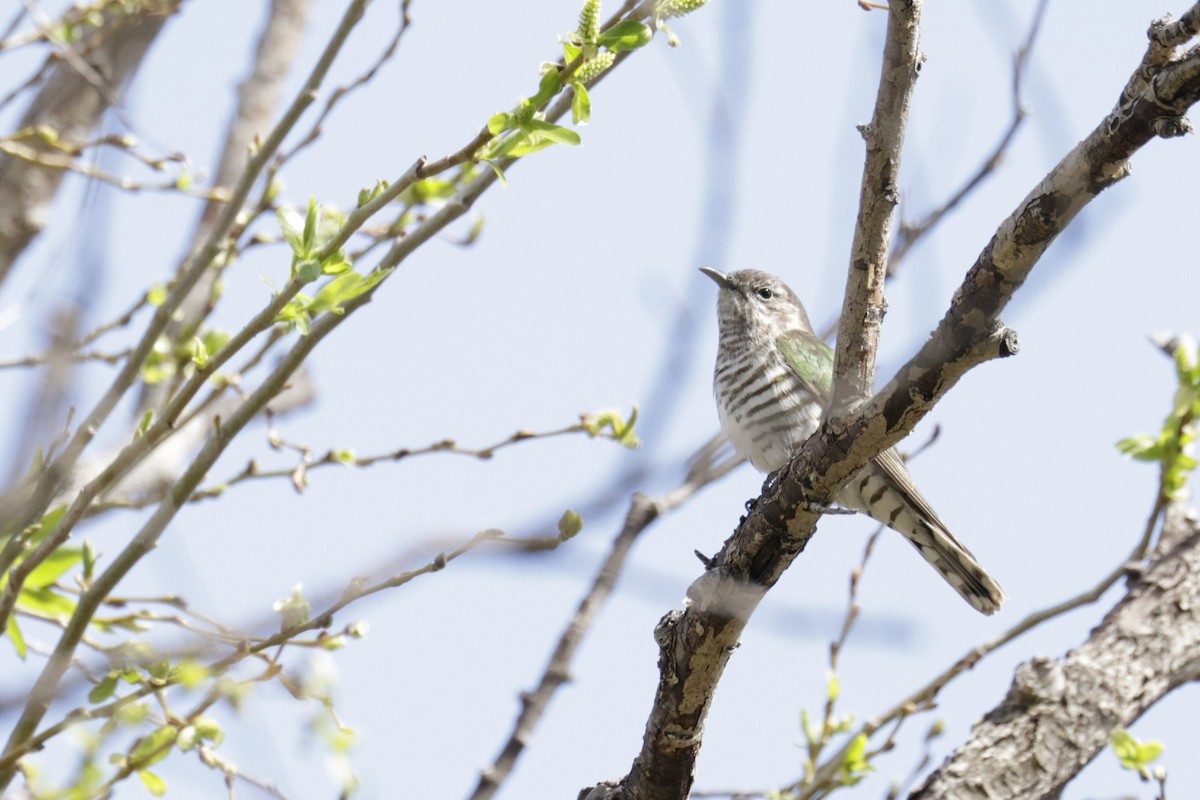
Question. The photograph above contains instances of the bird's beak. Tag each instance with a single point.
(717, 276)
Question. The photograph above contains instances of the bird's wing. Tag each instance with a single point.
(810, 359)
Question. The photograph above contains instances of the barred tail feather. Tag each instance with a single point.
(956, 564)
(886, 492)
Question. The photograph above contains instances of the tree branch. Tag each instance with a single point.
(1059, 713)
(863, 304)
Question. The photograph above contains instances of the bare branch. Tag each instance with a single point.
(70, 104)
(863, 304)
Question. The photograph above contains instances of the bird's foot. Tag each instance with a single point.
(822, 508)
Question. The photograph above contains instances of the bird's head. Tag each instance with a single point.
(759, 301)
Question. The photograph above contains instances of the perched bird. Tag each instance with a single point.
(772, 382)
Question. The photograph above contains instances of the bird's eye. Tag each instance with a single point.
(764, 293)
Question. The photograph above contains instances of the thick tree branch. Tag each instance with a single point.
(1059, 713)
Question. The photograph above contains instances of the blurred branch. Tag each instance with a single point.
(243, 647)
(74, 357)
(643, 511)
(30, 504)
(70, 104)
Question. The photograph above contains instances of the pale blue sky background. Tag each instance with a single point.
(736, 150)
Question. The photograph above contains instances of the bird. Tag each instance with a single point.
(772, 382)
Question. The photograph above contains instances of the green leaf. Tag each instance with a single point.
(46, 525)
(154, 746)
(310, 225)
(336, 264)
(367, 195)
(626, 35)
(498, 123)
(214, 339)
(308, 270)
(197, 352)
(46, 601)
(855, 766)
(550, 85)
(190, 672)
(144, 425)
(812, 731)
(292, 226)
(104, 689)
(833, 688)
(89, 560)
(1134, 754)
(555, 133)
(581, 104)
(157, 295)
(342, 289)
(58, 562)
(154, 784)
(569, 524)
(13, 631)
(1141, 447)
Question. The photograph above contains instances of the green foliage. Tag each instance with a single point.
(625, 35)
(311, 237)
(166, 359)
(857, 764)
(39, 595)
(1136, 755)
(367, 195)
(589, 19)
(157, 295)
(153, 783)
(569, 524)
(611, 419)
(587, 50)
(1172, 448)
(332, 298)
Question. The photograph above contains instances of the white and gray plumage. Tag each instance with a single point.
(772, 381)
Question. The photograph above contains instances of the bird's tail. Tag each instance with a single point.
(886, 492)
